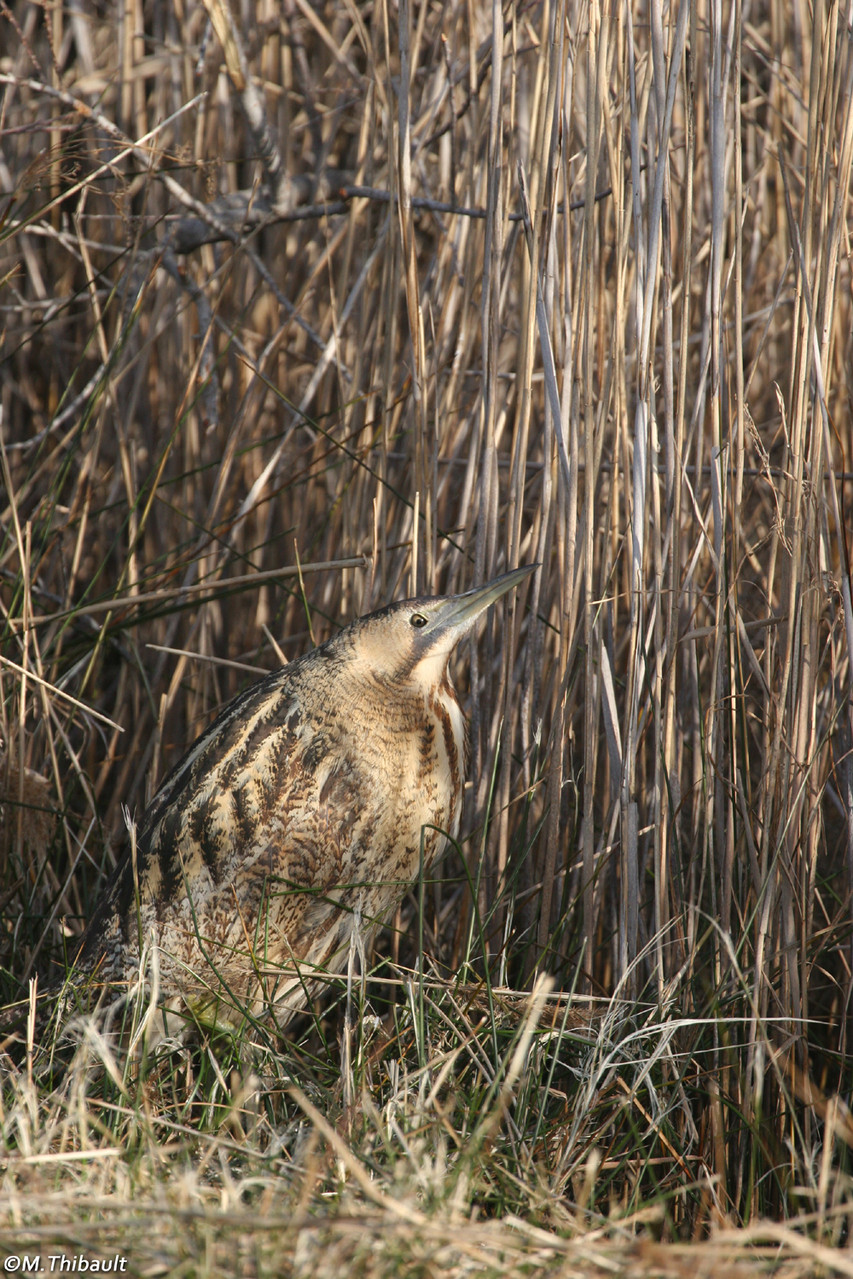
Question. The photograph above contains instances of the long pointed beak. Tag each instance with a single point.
(459, 612)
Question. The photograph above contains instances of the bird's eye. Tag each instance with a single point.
(418, 619)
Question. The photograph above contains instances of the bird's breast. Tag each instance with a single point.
(449, 751)
(403, 771)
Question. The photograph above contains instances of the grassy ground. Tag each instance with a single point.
(560, 284)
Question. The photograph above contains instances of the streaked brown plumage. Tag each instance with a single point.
(300, 815)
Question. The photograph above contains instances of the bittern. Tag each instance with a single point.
(299, 818)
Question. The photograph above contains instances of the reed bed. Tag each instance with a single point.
(306, 307)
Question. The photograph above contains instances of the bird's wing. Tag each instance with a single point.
(254, 823)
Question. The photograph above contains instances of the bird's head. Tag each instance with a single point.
(411, 641)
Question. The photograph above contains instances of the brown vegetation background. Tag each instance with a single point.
(548, 282)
